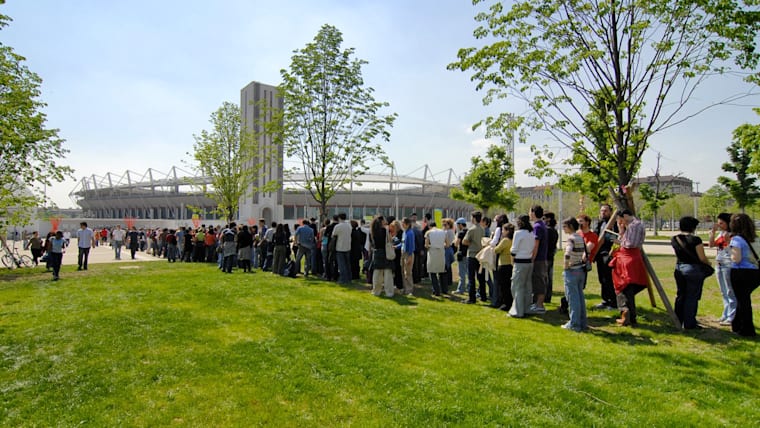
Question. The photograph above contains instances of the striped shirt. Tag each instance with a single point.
(575, 250)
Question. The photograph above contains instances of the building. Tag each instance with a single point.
(670, 183)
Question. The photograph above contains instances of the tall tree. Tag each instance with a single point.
(330, 121)
(30, 153)
(643, 59)
(743, 188)
(485, 185)
(230, 157)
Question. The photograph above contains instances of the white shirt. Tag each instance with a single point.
(342, 232)
(522, 244)
(118, 234)
(437, 238)
(84, 237)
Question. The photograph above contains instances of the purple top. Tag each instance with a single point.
(542, 236)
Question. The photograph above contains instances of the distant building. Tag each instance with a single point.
(677, 185)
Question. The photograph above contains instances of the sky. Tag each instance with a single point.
(129, 83)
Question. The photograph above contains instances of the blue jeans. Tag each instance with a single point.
(344, 266)
(574, 280)
(462, 287)
(117, 249)
(689, 280)
(729, 299)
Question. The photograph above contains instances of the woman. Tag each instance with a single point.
(689, 275)
(244, 248)
(503, 277)
(436, 242)
(397, 233)
(447, 277)
(382, 268)
(629, 275)
(522, 259)
(574, 275)
(35, 245)
(719, 238)
(744, 271)
(57, 248)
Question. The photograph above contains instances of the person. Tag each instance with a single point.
(342, 235)
(539, 280)
(407, 256)
(382, 272)
(503, 276)
(589, 237)
(279, 253)
(397, 235)
(200, 239)
(171, 246)
(244, 248)
(133, 240)
(117, 240)
(461, 255)
(474, 241)
(228, 238)
(358, 239)
(551, 247)
(689, 275)
(574, 275)
(719, 239)
(744, 271)
(85, 241)
(304, 240)
(418, 270)
(266, 247)
(602, 258)
(187, 252)
(448, 227)
(523, 244)
(629, 274)
(35, 246)
(57, 248)
(436, 243)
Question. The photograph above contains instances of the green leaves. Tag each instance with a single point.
(29, 152)
(330, 121)
(745, 164)
(485, 185)
(603, 77)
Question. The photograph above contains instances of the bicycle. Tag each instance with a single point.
(12, 259)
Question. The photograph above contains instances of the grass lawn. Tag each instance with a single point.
(147, 344)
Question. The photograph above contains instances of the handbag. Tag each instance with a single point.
(588, 266)
(706, 269)
(390, 252)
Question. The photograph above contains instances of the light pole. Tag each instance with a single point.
(696, 196)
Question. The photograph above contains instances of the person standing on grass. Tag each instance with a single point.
(628, 271)
(117, 240)
(133, 241)
(57, 248)
(689, 276)
(523, 244)
(602, 259)
(503, 276)
(540, 279)
(171, 246)
(461, 255)
(474, 241)
(35, 246)
(244, 248)
(408, 251)
(436, 243)
(589, 237)
(551, 250)
(305, 242)
(342, 236)
(744, 271)
(720, 238)
(574, 276)
(85, 241)
(382, 268)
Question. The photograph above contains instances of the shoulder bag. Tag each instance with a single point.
(390, 252)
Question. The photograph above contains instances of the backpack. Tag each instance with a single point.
(290, 269)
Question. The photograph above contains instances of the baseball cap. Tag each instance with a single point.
(461, 220)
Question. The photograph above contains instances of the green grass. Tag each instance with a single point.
(152, 344)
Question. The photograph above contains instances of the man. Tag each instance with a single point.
(342, 235)
(133, 240)
(228, 242)
(408, 250)
(117, 240)
(267, 247)
(629, 273)
(85, 241)
(474, 242)
(540, 277)
(304, 240)
(602, 259)
(551, 229)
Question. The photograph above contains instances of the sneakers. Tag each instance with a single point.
(726, 322)
(537, 309)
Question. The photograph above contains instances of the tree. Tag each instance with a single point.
(330, 120)
(484, 186)
(744, 189)
(30, 153)
(634, 63)
(715, 201)
(230, 157)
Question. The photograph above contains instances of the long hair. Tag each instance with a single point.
(523, 222)
(742, 225)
